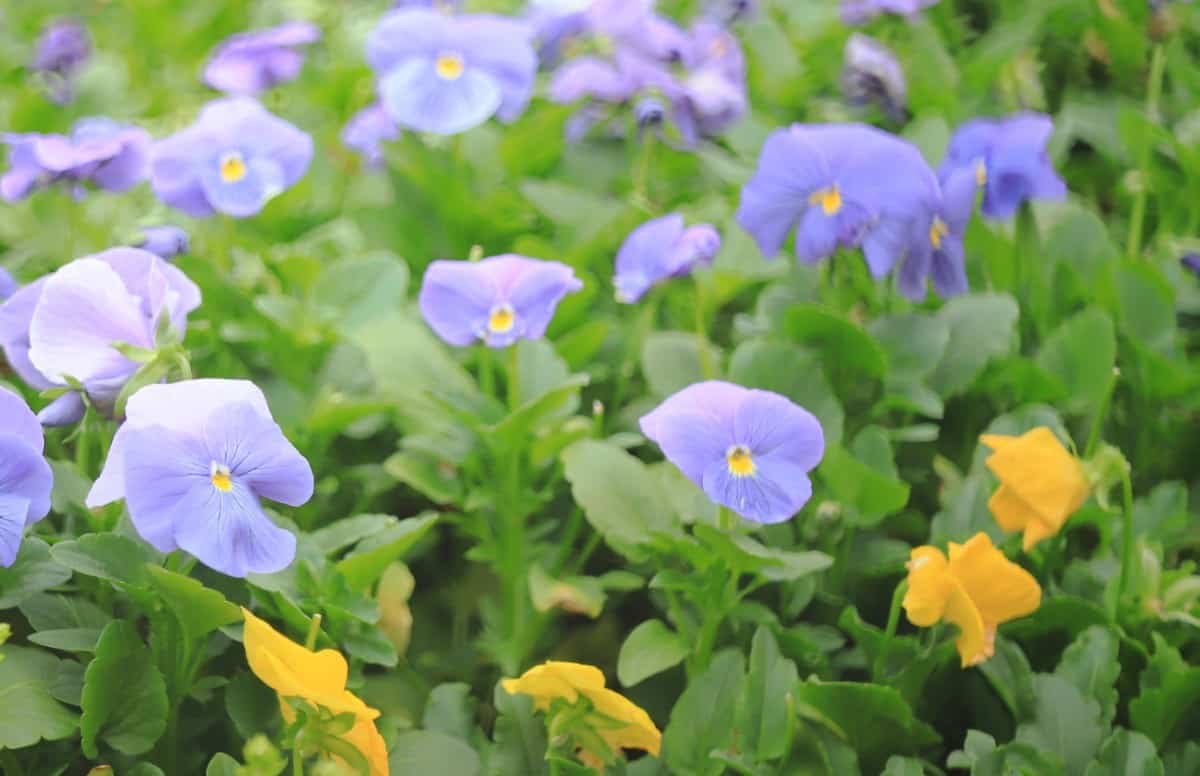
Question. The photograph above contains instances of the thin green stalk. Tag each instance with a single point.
(641, 174)
(890, 632)
(514, 378)
(1101, 413)
(297, 762)
(487, 377)
(1158, 65)
(706, 365)
(314, 630)
(1127, 539)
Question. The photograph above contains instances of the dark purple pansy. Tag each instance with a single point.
(65, 325)
(659, 249)
(252, 62)
(749, 450)
(192, 460)
(859, 11)
(498, 300)
(446, 74)
(936, 245)
(165, 241)
(233, 160)
(25, 478)
(871, 74)
(62, 50)
(366, 131)
(1008, 157)
(846, 185)
(98, 151)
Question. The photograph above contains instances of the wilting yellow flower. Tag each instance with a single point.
(556, 679)
(317, 677)
(976, 589)
(1041, 483)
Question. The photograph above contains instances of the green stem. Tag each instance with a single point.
(487, 378)
(297, 763)
(314, 630)
(1101, 413)
(641, 175)
(1158, 64)
(705, 641)
(514, 378)
(1127, 539)
(633, 348)
(706, 365)
(512, 565)
(890, 632)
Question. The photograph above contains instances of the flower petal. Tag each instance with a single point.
(415, 96)
(1000, 589)
(24, 473)
(455, 300)
(256, 451)
(229, 532)
(18, 420)
(771, 425)
(162, 469)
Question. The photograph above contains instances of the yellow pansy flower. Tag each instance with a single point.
(977, 588)
(569, 681)
(317, 677)
(1041, 483)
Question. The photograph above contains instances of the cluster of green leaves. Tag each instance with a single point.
(536, 520)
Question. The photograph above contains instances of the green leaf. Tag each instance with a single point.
(1091, 664)
(1081, 353)
(871, 495)
(67, 639)
(360, 289)
(1011, 677)
(1065, 722)
(671, 361)
(108, 556)
(982, 327)
(450, 710)
(222, 765)
(703, 717)
(250, 704)
(874, 720)
(199, 609)
(581, 210)
(912, 343)
(619, 495)
(903, 766)
(976, 746)
(425, 474)
(340, 534)
(793, 372)
(520, 738)
(28, 711)
(649, 649)
(47, 611)
(124, 696)
(1168, 713)
(372, 557)
(842, 344)
(429, 751)
(764, 716)
(32, 572)
(1126, 753)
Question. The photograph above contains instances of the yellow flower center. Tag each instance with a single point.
(501, 320)
(740, 462)
(233, 167)
(449, 67)
(222, 478)
(937, 232)
(829, 199)
(980, 172)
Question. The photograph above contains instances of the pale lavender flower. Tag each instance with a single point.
(8, 284)
(859, 11)
(366, 131)
(62, 51)
(936, 246)
(25, 478)
(659, 249)
(252, 62)
(99, 151)
(165, 241)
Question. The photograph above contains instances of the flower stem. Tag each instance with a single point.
(1101, 412)
(314, 630)
(297, 762)
(890, 632)
(487, 378)
(1158, 64)
(514, 378)
(641, 174)
(706, 365)
(1127, 540)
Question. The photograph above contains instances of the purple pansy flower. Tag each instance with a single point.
(65, 324)
(872, 74)
(366, 131)
(25, 477)
(62, 50)
(252, 62)
(1009, 159)
(1191, 262)
(233, 160)
(447, 74)
(659, 249)
(498, 300)
(8, 284)
(192, 460)
(749, 450)
(712, 93)
(555, 23)
(165, 241)
(100, 151)
(838, 184)
(936, 247)
(730, 11)
(859, 11)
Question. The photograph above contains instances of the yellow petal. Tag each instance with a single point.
(961, 611)
(555, 679)
(998, 588)
(1010, 511)
(287, 667)
(1043, 474)
(997, 441)
(928, 586)
(366, 739)
(639, 731)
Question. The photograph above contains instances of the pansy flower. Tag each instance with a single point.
(165, 241)
(619, 722)
(8, 284)
(25, 477)
(936, 247)
(1008, 157)
(319, 678)
(192, 460)
(63, 49)
(446, 74)
(712, 93)
(749, 450)
(846, 185)
(871, 74)
(233, 160)
(976, 589)
(63, 327)
(498, 300)
(366, 131)
(99, 151)
(252, 62)
(1191, 262)
(859, 11)
(1041, 483)
(659, 249)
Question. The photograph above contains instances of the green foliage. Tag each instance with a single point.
(124, 696)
